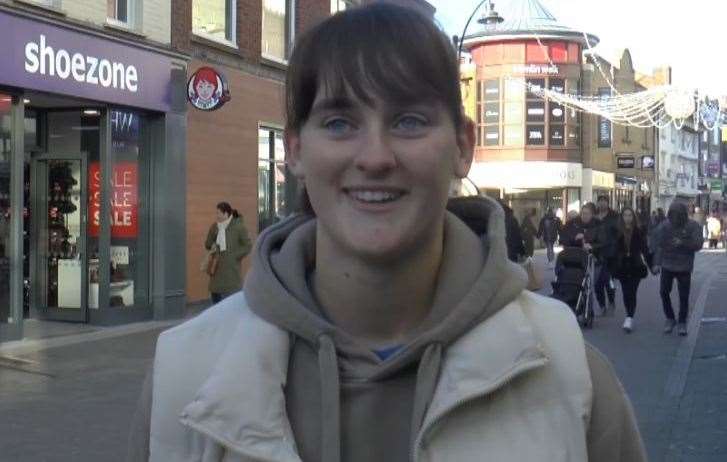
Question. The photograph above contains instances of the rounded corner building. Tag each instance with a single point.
(528, 150)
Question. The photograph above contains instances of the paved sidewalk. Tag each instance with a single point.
(71, 398)
(691, 425)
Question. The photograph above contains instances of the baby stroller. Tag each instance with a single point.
(574, 282)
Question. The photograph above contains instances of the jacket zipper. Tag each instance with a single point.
(499, 383)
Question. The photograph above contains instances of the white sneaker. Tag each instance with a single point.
(629, 325)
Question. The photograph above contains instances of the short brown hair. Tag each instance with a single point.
(383, 50)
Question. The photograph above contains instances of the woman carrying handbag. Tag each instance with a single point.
(629, 262)
(227, 244)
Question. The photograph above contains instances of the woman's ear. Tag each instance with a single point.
(291, 140)
(466, 143)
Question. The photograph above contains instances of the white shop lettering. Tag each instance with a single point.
(43, 59)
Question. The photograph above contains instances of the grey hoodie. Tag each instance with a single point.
(346, 404)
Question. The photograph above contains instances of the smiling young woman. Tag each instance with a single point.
(376, 325)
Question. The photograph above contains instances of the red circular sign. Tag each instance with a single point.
(207, 89)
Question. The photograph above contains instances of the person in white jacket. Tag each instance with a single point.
(377, 325)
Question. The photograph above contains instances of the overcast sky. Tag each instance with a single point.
(683, 34)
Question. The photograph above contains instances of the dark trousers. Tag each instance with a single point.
(551, 253)
(216, 298)
(603, 277)
(684, 283)
(713, 243)
(629, 289)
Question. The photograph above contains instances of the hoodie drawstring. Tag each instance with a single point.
(330, 400)
(427, 378)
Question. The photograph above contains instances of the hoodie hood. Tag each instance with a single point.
(475, 281)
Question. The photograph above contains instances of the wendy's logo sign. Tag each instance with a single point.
(207, 89)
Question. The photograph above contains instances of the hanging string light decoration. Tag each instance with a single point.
(654, 107)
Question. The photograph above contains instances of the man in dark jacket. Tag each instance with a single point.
(513, 237)
(674, 243)
(608, 232)
(548, 231)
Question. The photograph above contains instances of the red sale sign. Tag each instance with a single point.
(124, 200)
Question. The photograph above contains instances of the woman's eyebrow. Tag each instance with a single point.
(335, 103)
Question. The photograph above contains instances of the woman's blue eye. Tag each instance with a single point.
(410, 123)
(337, 125)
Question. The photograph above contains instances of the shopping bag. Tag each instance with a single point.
(535, 280)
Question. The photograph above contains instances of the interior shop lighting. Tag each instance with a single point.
(91, 112)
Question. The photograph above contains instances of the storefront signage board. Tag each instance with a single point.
(625, 162)
(715, 185)
(604, 125)
(39, 56)
(535, 69)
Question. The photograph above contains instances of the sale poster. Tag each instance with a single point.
(124, 189)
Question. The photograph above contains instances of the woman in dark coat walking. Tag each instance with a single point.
(629, 262)
(529, 231)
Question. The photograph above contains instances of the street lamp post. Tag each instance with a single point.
(491, 18)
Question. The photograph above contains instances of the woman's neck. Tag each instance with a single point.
(377, 302)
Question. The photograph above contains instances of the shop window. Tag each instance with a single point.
(536, 111)
(492, 90)
(514, 135)
(492, 113)
(535, 135)
(514, 113)
(557, 85)
(535, 85)
(214, 19)
(492, 135)
(489, 112)
(277, 32)
(128, 183)
(121, 11)
(557, 135)
(341, 5)
(557, 113)
(274, 179)
(573, 135)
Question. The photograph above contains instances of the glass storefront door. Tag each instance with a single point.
(58, 237)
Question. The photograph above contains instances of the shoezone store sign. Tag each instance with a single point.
(45, 57)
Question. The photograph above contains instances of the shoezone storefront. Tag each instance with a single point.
(92, 143)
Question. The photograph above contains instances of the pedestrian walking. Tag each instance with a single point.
(529, 231)
(629, 262)
(513, 236)
(604, 287)
(548, 230)
(675, 242)
(714, 230)
(377, 326)
(583, 230)
(227, 243)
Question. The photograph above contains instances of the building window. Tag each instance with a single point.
(489, 113)
(277, 33)
(49, 3)
(214, 19)
(274, 180)
(121, 11)
(341, 5)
